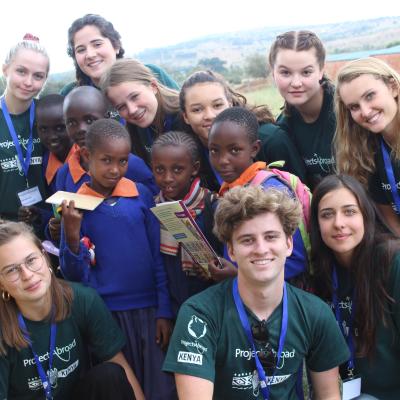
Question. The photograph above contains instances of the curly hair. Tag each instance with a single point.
(243, 203)
(354, 145)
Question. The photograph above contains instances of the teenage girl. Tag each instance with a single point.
(175, 159)
(357, 270)
(25, 70)
(204, 95)
(367, 139)
(148, 107)
(126, 267)
(47, 326)
(297, 61)
(94, 45)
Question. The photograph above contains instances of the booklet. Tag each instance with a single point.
(177, 219)
(82, 201)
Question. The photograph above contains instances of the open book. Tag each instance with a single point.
(177, 219)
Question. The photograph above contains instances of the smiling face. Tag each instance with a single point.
(297, 75)
(26, 74)
(341, 223)
(108, 163)
(135, 102)
(93, 52)
(30, 287)
(173, 170)
(203, 102)
(52, 131)
(230, 149)
(80, 111)
(371, 103)
(260, 248)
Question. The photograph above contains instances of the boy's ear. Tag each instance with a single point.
(255, 148)
(4, 68)
(185, 117)
(231, 253)
(196, 169)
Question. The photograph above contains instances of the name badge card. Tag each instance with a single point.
(30, 196)
(351, 388)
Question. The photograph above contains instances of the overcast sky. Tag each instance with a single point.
(157, 23)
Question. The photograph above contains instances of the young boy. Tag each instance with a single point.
(233, 145)
(255, 328)
(83, 106)
(127, 268)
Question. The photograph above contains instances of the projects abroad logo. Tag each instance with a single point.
(197, 328)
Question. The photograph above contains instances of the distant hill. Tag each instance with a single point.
(234, 47)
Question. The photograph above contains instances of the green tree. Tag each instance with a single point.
(214, 63)
(256, 66)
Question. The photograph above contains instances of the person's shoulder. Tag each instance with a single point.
(68, 88)
(308, 302)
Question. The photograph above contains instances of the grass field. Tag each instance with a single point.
(268, 95)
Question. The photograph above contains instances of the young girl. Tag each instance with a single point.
(25, 70)
(297, 62)
(233, 145)
(37, 309)
(203, 96)
(148, 107)
(357, 267)
(175, 158)
(367, 139)
(126, 267)
(94, 45)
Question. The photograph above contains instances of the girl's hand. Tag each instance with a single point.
(55, 229)
(72, 219)
(221, 269)
(28, 214)
(163, 332)
(201, 273)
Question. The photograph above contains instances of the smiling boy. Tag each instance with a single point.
(255, 327)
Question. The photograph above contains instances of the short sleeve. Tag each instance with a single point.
(192, 348)
(100, 331)
(328, 348)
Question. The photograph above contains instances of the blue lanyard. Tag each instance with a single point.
(42, 374)
(338, 314)
(246, 326)
(216, 174)
(24, 163)
(390, 176)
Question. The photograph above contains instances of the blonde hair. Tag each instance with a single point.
(61, 293)
(355, 146)
(128, 70)
(243, 203)
(33, 45)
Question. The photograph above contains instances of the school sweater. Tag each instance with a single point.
(71, 175)
(129, 272)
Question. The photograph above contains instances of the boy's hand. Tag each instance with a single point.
(72, 219)
(28, 214)
(217, 273)
(55, 229)
(163, 332)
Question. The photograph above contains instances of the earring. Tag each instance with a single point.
(51, 270)
(6, 296)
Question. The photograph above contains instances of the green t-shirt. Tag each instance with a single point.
(380, 374)
(314, 140)
(379, 185)
(90, 323)
(209, 342)
(12, 178)
(276, 145)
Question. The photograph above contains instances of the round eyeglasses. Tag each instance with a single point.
(33, 263)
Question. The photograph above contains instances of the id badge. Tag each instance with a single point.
(30, 196)
(351, 388)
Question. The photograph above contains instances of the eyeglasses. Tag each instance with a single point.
(266, 355)
(33, 263)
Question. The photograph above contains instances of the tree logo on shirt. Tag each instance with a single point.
(197, 327)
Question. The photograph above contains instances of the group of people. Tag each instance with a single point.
(305, 202)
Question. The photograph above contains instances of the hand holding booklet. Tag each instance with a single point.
(177, 219)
